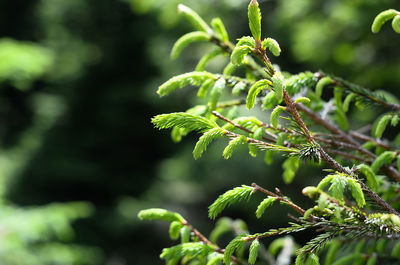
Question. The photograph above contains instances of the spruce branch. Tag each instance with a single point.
(280, 197)
(292, 108)
(221, 117)
(334, 216)
(390, 171)
(360, 91)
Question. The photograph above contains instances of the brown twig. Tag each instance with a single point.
(205, 240)
(345, 84)
(281, 198)
(221, 117)
(370, 139)
(345, 155)
(390, 171)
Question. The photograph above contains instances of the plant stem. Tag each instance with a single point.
(280, 198)
(390, 171)
(370, 139)
(360, 91)
(292, 108)
(205, 240)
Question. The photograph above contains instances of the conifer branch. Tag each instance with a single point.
(228, 47)
(219, 116)
(281, 198)
(334, 215)
(390, 171)
(360, 91)
(291, 107)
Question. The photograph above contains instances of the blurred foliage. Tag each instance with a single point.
(35, 235)
(21, 63)
(40, 235)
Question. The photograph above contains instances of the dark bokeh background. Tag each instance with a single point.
(108, 58)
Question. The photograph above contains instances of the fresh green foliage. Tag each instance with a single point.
(239, 53)
(185, 234)
(356, 191)
(223, 225)
(193, 78)
(160, 214)
(191, 250)
(346, 103)
(381, 126)
(333, 248)
(254, 91)
(230, 249)
(253, 253)
(339, 182)
(272, 45)
(351, 202)
(270, 100)
(313, 260)
(205, 140)
(233, 145)
(194, 18)
(266, 203)
(217, 259)
(238, 88)
(42, 233)
(228, 198)
(310, 152)
(201, 66)
(275, 115)
(290, 166)
(321, 84)
(396, 251)
(254, 14)
(383, 159)
(246, 41)
(295, 83)
(220, 29)
(174, 229)
(370, 175)
(185, 40)
(303, 100)
(216, 92)
(278, 83)
(396, 23)
(183, 120)
(205, 87)
(382, 18)
(258, 135)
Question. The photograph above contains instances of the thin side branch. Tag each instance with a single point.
(390, 171)
(205, 240)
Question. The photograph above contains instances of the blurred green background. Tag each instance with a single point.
(78, 155)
